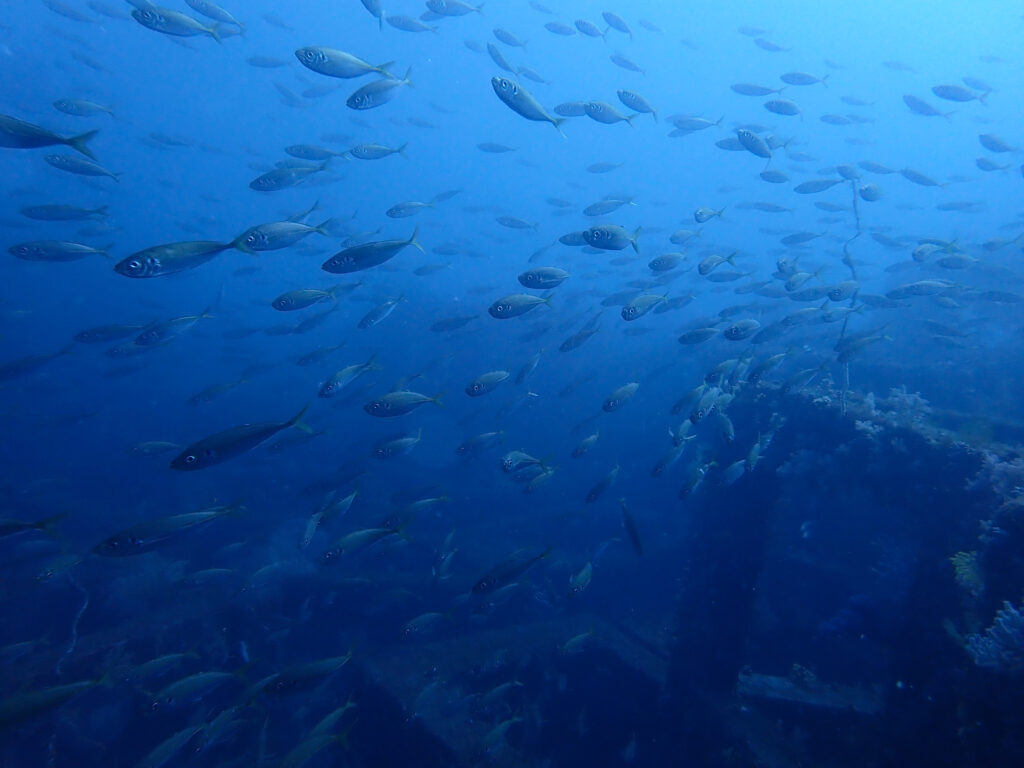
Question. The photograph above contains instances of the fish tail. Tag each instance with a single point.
(636, 234)
(78, 143)
(401, 150)
(436, 399)
(654, 114)
(297, 422)
(212, 32)
(383, 69)
(413, 241)
(48, 525)
(322, 227)
(557, 122)
(101, 211)
(406, 80)
(629, 119)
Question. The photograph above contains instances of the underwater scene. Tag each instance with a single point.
(527, 383)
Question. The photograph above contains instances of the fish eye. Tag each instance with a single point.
(191, 459)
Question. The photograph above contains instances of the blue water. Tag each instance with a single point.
(834, 487)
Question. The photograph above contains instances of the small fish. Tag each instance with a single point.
(620, 397)
(641, 305)
(602, 485)
(335, 63)
(603, 112)
(172, 23)
(702, 215)
(78, 166)
(232, 442)
(376, 151)
(18, 134)
(957, 93)
(160, 260)
(63, 212)
(486, 382)
(543, 278)
(611, 237)
(53, 250)
(149, 534)
(515, 304)
(285, 178)
(399, 403)
(367, 255)
(508, 571)
(379, 313)
(379, 92)
(519, 100)
(631, 528)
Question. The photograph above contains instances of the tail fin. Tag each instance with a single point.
(413, 241)
(78, 143)
(297, 422)
(383, 69)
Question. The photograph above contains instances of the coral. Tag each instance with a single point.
(1005, 478)
(968, 574)
(1001, 648)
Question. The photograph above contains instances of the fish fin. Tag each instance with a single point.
(383, 69)
(557, 122)
(654, 114)
(212, 32)
(636, 234)
(414, 241)
(78, 143)
(297, 422)
(408, 74)
(322, 227)
(436, 399)
(401, 150)
(629, 119)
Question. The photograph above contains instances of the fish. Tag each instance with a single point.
(630, 526)
(702, 215)
(486, 383)
(229, 443)
(168, 259)
(603, 112)
(957, 93)
(509, 570)
(602, 485)
(285, 178)
(276, 235)
(579, 581)
(399, 403)
(641, 305)
(82, 107)
(543, 278)
(379, 313)
(375, 151)
(150, 534)
(515, 305)
(19, 134)
(334, 63)
(520, 101)
(378, 92)
(620, 397)
(367, 255)
(26, 705)
(79, 167)
(63, 212)
(611, 237)
(54, 251)
(172, 23)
